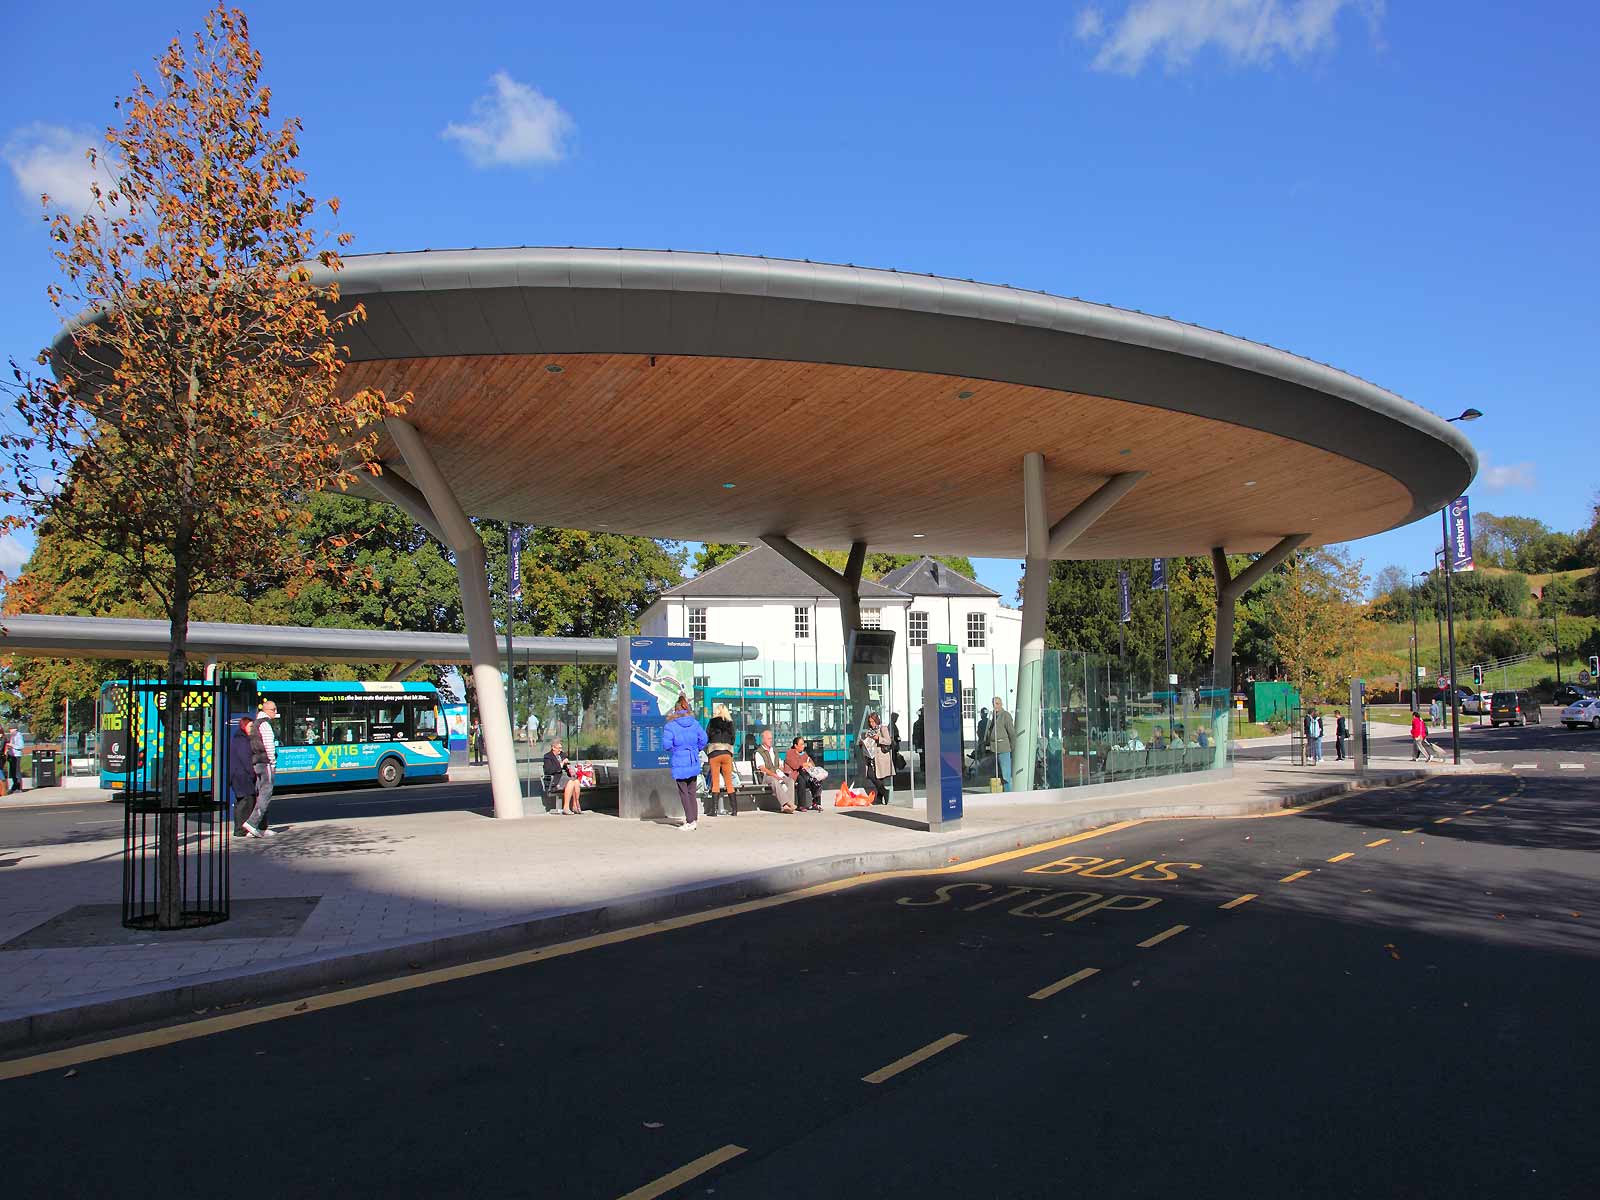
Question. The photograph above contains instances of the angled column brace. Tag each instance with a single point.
(1229, 589)
(434, 506)
(844, 587)
(1042, 543)
(402, 669)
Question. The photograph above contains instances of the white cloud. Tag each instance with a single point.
(12, 555)
(51, 160)
(1247, 32)
(513, 125)
(1515, 475)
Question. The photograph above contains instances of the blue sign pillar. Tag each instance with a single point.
(941, 736)
(651, 674)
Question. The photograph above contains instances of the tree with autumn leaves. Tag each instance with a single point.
(195, 400)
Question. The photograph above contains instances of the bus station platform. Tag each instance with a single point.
(422, 878)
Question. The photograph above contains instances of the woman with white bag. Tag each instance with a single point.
(806, 775)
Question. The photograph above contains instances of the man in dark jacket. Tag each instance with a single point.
(241, 774)
(1341, 733)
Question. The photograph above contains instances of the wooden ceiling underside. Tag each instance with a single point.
(827, 453)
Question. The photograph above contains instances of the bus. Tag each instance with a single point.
(328, 732)
(809, 712)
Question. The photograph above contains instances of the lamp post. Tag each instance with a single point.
(1416, 646)
(1470, 414)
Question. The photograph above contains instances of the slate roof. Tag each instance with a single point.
(930, 577)
(762, 573)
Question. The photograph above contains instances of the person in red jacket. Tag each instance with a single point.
(1421, 747)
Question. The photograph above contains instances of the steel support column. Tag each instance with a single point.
(844, 587)
(1229, 589)
(434, 506)
(1042, 543)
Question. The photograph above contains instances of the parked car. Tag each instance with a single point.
(1582, 712)
(1514, 708)
(1571, 693)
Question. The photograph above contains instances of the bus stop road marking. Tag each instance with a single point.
(1062, 985)
(73, 1056)
(883, 1074)
(691, 1170)
(1162, 936)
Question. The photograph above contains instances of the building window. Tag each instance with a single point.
(917, 628)
(802, 623)
(969, 704)
(977, 631)
(697, 624)
(872, 618)
(702, 681)
(751, 681)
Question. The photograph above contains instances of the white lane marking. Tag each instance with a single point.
(1572, 766)
(1524, 766)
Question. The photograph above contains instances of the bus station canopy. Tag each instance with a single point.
(717, 397)
(123, 638)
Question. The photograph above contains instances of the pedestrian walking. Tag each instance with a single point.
(877, 750)
(1341, 733)
(533, 728)
(917, 732)
(264, 760)
(14, 757)
(719, 761)
(1421, 747)
(1003, 732)
(797, 768)
(683, 739)
(1314, 737)
(476, 738)
(241, 774)
(981, 742)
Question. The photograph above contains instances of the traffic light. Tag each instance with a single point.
(1594, 666)
(1477, 677)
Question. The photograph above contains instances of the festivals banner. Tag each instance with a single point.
(1459, 523)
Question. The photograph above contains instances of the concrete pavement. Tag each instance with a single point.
(386, 882)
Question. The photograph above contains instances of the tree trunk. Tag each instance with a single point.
(169, 904)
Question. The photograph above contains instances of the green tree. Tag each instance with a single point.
(1316, 619)
(714, 554)
(1084, 606)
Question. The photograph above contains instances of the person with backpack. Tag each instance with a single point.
(1421, 747)
(241, 773)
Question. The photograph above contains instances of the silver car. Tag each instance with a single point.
(1582, 712)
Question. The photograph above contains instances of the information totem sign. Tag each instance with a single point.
(1358, 723)
(941, 735)
(651, 674)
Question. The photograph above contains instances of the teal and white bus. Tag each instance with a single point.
(331, 732)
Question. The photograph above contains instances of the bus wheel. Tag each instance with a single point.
(390, 772)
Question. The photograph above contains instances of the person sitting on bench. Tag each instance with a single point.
(769, 769)
(558, 772)
(797, 766)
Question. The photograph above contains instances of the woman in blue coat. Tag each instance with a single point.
(684, 738)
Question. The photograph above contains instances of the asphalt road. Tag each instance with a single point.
(21, 825)
(1389, 995)
(1520, 748)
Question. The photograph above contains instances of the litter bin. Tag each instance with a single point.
(44, 768)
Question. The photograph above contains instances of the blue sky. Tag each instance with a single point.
(1406, 192)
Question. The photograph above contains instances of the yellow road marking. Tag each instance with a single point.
(1379, 842)
(1443, 820)
(915, 1057)
(1162, 936)
(1342, 857)
(1418, 829)
(152, 1038)
(1244, 899)
(683, 1174)
(1062, 985)
(1296, 875)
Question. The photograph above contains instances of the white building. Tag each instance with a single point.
(761, 600)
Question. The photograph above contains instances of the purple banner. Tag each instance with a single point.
(1460, 526)
(1127, 599)
(1158, 574)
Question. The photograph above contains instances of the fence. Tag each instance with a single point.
(176, 830)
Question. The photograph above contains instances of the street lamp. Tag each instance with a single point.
(1470, 414)
(1416, 647)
